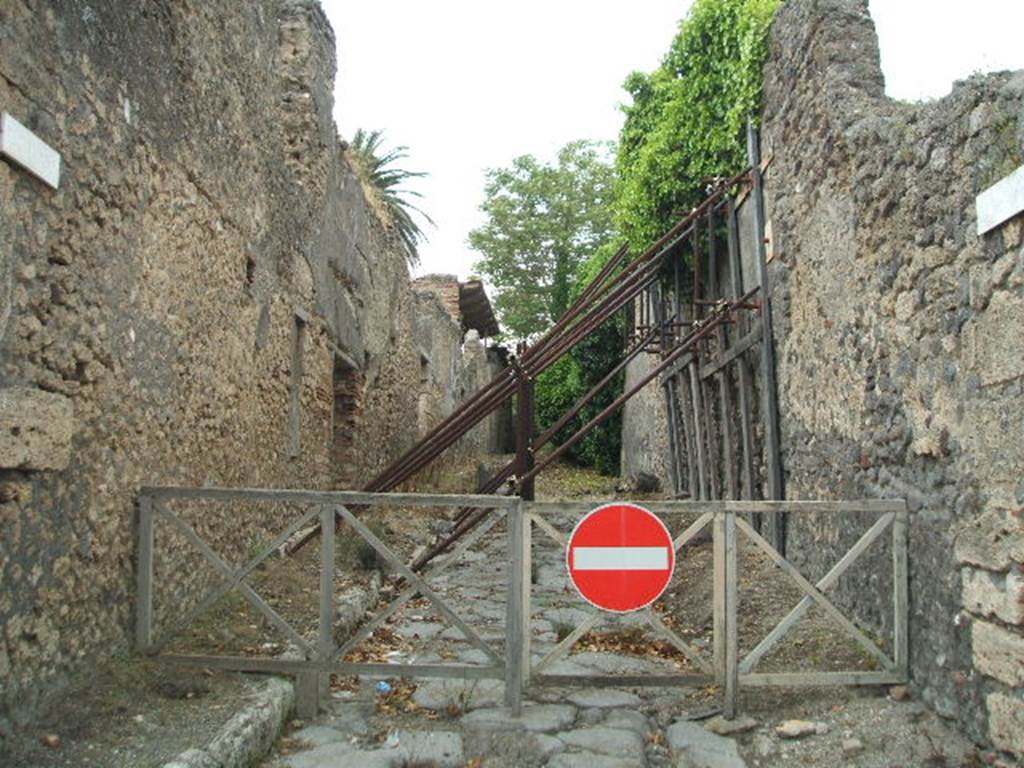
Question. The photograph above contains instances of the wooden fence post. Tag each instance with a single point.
(144, 580)
(901, 592)
(732, 678)
(718, 610)
(524, 435)
(517, 625)
(325, 640)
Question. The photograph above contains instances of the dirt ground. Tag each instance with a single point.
(129, 713)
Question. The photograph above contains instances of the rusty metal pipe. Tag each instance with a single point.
(695, 337)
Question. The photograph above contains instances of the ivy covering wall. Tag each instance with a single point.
(685, 124)
(687, 118)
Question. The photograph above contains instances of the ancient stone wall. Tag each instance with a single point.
(898, 332)
(645, 443)
(206, 299)
(455, 365)
(439, 344)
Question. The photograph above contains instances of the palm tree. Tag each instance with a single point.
(375, 169)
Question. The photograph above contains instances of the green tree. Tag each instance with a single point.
(543, 221)
(687, 118)
(382, 182)
(564, 383)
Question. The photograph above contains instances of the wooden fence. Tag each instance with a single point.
(514, 664)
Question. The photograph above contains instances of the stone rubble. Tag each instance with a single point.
(796, 729)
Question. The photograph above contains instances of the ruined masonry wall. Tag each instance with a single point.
(898, 337)
(205, 224)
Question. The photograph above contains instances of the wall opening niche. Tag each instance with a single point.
(348, 402)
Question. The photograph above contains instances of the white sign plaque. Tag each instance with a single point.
(19, 144)
(1002, 201)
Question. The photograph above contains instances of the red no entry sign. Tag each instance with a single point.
(620, 557)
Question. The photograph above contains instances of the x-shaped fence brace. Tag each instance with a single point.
(813, 594)
(652, 619)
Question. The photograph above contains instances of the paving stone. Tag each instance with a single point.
(564, 667)
(453, 633)
(486, 611)
(350, 724)
(442, 749)
(614, 664)
(425, 630)
(547, 745)
(539, 717)
(723, 727)
(318, 735)
(474, 656)
(342, 753)
(590, 760)
(627, 720)
(572, 617)
(699, 748)
(606, 741)
(605, 698)
(465, 694)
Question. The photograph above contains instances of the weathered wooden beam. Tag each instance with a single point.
(624, 681)
(802, 679)
(283, 666)
(793, 506)
(745, 380)
(345, 498)
(517, 619)
(731, 682)
(901, 592)
(699, 433)
(721, 360)
(769, 392)
(369, 627)
(228, 584)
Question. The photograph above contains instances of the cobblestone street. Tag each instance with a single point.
(448, 722)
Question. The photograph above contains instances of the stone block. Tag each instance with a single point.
(993, 541)
(994, 594)
(693, 746)
(35, 429)
(993, 340)
(605, 741)
(604, 698)
(1006, 722)
(998, 652)
(439, 748)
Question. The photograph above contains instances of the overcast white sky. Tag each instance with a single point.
(468, 84)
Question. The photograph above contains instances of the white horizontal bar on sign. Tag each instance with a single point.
(1000, 202)
(26, 149)
(620, 558)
